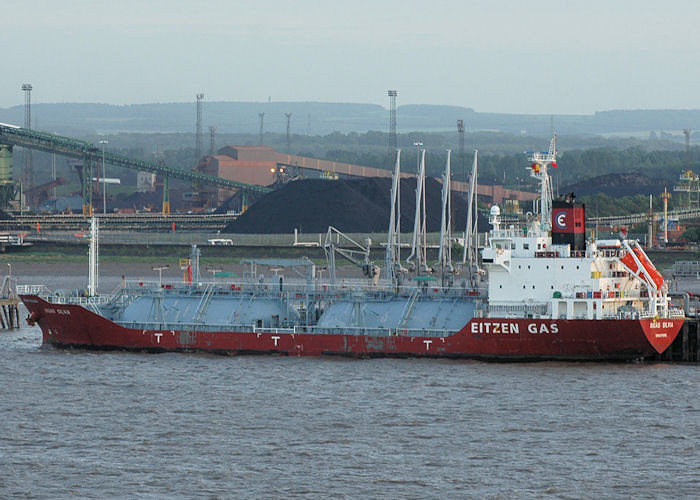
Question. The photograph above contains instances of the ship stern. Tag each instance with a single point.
(661, 332)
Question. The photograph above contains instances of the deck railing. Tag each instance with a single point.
(229, 327)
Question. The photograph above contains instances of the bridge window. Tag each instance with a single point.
(526, 246)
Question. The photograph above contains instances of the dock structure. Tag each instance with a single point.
(9, 303)
(9, 319)
(686, 347)
(686, 269)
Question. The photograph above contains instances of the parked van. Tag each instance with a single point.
(221, 241)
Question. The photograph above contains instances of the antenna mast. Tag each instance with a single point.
(289, 140)
(212, 140)
(540, 163)
(262, 120)
(198, 145)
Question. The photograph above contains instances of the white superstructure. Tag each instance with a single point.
(530, 276)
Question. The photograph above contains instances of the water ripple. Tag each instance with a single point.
(96, 425)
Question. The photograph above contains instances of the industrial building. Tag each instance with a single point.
(264, 166)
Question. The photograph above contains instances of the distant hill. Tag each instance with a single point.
(318, 118)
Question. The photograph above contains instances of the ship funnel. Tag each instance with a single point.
(569, 223)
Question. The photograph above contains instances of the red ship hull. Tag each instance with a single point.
(481, 338)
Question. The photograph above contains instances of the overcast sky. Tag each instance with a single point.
(537, 56)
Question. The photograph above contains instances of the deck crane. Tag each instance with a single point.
(356, 253)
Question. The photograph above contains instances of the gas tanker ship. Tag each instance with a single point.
(535, 290)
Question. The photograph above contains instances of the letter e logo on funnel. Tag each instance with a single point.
(560, 220)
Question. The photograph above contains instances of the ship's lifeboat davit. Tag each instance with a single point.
(629, 261)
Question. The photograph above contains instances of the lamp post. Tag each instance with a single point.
(104, 176)
(418, 145)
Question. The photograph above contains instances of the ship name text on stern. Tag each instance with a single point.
(662, 324)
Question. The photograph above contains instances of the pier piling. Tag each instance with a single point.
(686, 347)
(9, 319)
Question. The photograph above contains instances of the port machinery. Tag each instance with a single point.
(12, 135)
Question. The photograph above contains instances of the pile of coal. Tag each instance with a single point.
(351, 206)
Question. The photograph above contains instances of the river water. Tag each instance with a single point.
(85, 424)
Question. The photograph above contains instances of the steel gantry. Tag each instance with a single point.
(13, 135)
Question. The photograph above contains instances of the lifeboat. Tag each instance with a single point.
(631, 264)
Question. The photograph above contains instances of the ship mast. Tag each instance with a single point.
(418, 248)
(93, 272)
(445, 252)
(470, 256)
(540, 164)
(393, 244)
